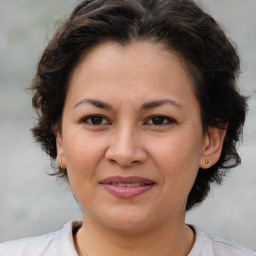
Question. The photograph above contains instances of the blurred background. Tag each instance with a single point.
(33, 203)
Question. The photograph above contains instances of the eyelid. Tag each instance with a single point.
(105, 121)
(170, 120)
(86, 118)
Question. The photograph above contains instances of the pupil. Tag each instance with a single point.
(158, 120)
(96, 120)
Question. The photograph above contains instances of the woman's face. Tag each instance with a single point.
(132, 138)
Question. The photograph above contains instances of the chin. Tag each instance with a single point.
(130, 221)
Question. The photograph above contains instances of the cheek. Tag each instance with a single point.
(83, 153)
(177, 159)
(178, 153)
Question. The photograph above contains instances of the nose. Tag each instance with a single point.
(126, 148)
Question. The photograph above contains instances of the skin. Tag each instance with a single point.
(124, 140)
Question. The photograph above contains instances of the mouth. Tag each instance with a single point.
(127, 187)
(128, 184)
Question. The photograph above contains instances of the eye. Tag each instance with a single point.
(95, 120)
(160, 120)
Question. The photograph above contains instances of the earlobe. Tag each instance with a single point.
(212, 147)
(60, 153)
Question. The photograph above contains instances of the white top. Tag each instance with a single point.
(61, 243)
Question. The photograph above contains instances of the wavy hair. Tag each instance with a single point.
(181, 26)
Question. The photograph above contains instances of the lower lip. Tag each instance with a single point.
(127, 192)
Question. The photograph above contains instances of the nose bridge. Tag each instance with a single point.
(125, 139)
(125, 146)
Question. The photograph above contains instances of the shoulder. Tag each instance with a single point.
(41, 245)
(52, 244)
(224, 247)
(210, 245)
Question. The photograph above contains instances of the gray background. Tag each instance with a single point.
(31, 202)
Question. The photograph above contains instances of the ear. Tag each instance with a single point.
(213, 143)
(60, 151)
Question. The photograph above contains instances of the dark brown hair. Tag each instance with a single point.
(181, 26)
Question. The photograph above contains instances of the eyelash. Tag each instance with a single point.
(167, 120)
(85, 120)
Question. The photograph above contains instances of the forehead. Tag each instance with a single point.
(142, 68)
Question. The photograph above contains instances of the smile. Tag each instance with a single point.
(127, 187)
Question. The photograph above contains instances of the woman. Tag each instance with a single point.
(137, 103)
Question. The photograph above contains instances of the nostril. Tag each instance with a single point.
(124, 162)
(113, 161)
(124, 155)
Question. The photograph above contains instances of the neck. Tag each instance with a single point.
(174, 239)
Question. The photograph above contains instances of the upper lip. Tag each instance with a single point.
(127, 180)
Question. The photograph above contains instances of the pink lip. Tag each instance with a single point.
(126, 192)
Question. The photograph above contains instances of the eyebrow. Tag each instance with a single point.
(145, 106)
(157, 103)
(94, 102)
